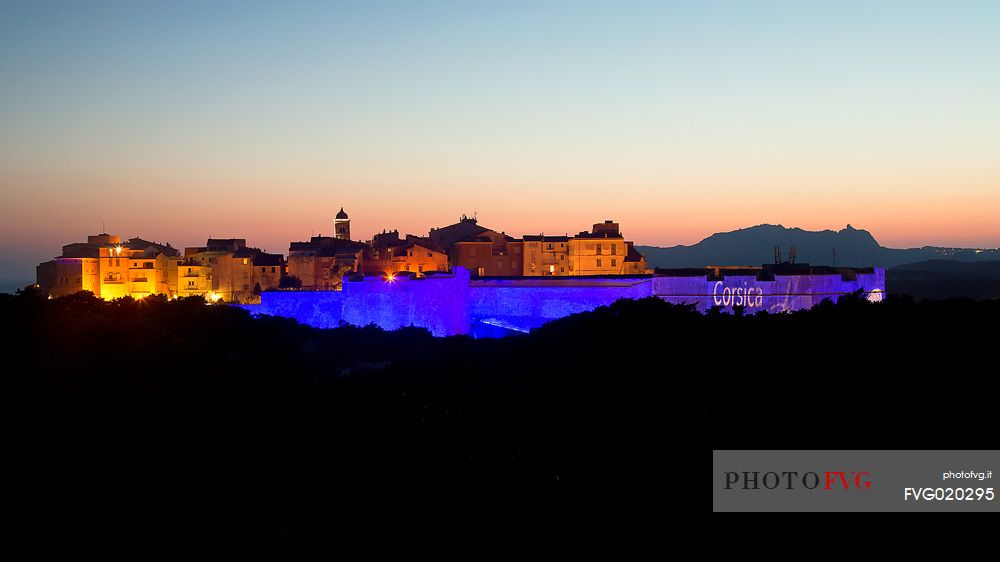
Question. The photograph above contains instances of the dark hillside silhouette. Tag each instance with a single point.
(178, 417)
(945, 279)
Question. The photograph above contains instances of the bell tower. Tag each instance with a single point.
(342, 225)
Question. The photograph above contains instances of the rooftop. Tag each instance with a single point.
(543, 238)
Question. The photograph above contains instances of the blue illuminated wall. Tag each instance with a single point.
(450, 304)
(785, 293)
(439, 303)
(520, 304)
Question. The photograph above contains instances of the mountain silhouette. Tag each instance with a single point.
(755, 245)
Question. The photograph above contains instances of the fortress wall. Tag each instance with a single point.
(523, 304)
(785, 293)
(450, 304)
(321, 309)
(439, 303)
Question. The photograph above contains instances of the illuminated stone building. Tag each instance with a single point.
(77, 268)
(546, 256)
(129, 269)
(267, 271)
(321, 263)
(235, 271)
(466, 228)
(635, 262)
(417, 259)
(483, 251)
(194, 278)
(196, 273)
(231, 275)
(106, 267)
(65, 276)
(388, 254)
(490, 254)
(602, 251)
(166, 274)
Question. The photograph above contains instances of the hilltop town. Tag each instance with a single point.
(230, 271)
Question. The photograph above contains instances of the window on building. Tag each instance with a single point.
(614, 263)
(272, 270)
(472, 252)
(598, 249)
(420, 268)
(614, 249)
(552, 269)
(481, 272)
(598, 262)
(190, 284)
(246, 261)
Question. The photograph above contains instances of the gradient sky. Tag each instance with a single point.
(175, 121)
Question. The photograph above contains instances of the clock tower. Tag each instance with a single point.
(342, 225)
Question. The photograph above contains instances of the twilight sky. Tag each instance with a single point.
(175, 121)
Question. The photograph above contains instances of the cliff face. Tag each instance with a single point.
(755, 245)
